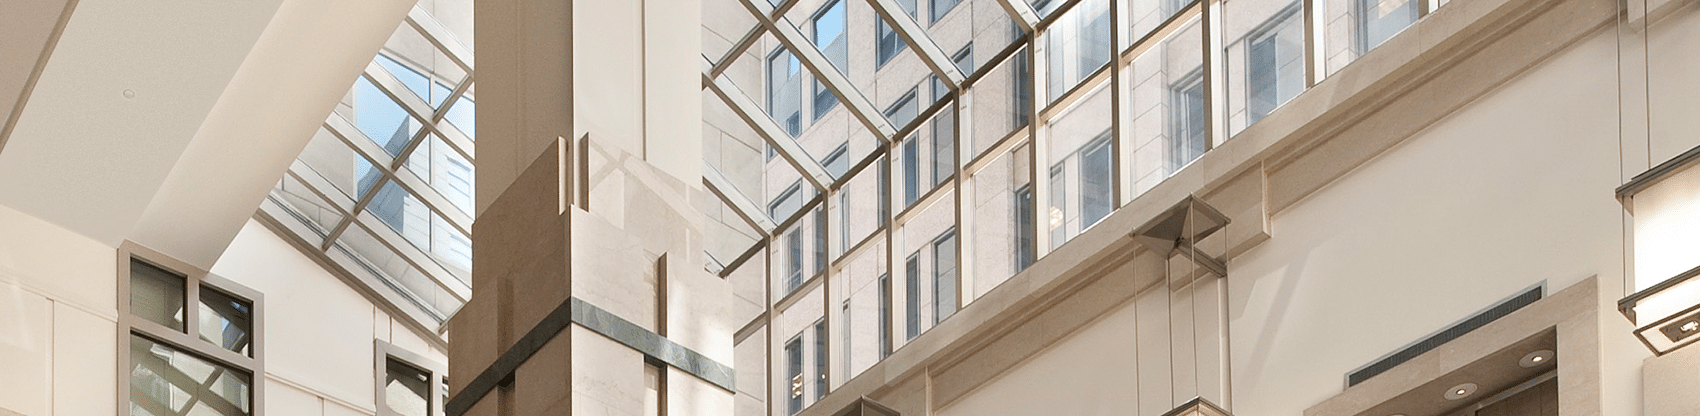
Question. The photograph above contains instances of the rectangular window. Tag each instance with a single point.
(884, 191)
(912, 297)
(885, 315)
(1059, 206)
(1379, 20)
(964, 59)
(1186, 125)
(1024, 244)
(788, 201)
(157, 295)
(820, 240)
(226, 321)
(828, 31)
(793, 261)
(824, 100)
(783, 84)
(837, 162)
(165, 380)
(844, 331)
(794, 374)
(1023, 91)
(911, 171)
(944, 145)
(843, 223)
(190, 342)
(1275, 71)
(1097, 181)
(889, 44)
(944, 276)
(940, 8)
(904, 110)
(407, 389)
(820, 359)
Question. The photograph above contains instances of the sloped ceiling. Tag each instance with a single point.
(166, 122)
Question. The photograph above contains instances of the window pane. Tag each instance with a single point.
(1097, 182)
(793, 260)
(407, 390)
(820, 359)
(784, 83)
(1165, 96)
(157, 295)
(997, 104)
(463, 115)
(226, 321)
(1357, 26)
(944, 144)
(381, 119)
(167, 381)
(885, 316)
(1265, 53)
(794, 375)
(1078, 44)
(944, 277)
(912, 297)
(911, 171)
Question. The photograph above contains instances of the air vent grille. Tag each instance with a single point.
(1447, 335)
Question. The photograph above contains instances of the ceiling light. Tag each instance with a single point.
(1460, 391)
(1535, 359)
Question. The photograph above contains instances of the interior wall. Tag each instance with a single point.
(319, 332)
(1511, 191)
(58, 317)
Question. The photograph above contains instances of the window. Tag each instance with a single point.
(964, 59)
(408, 384)
(844, 331)
(192, 340)
(1097, 192)
(885, 315)
(820, 240)
(1059, 206)
(1186, 123)
(794, 373)
(884, 191)
(1023, 91)
(820, 359)
(912, 296)
(1379, 20)
(1024, 244)
(888, 44)
(837, 162)
(1094, 37)
(793, 260)
(783, 94)
(911, 171)
(828, 33)
(788, 201)
(944, 145)
(1275, 70)
(904, 110)
(944, 276)
(940, 8)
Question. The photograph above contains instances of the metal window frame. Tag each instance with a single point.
(188, 340)
(382, 352)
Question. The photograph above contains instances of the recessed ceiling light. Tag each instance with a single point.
(1460, 391)
(1536, 359)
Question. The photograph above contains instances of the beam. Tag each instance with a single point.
(769, 130)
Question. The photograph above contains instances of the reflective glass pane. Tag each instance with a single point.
(920, 267)
(425, 69)
(1076, 46)
(167, 381)
(1354, 27)
(331, 159)
(378, 258)
(463, 116)
(1166, 106)
(157, 295)
(999, 102)
(1265, 51)
(1081, 179)
(1147, 16)
(307, 206)
(226, 321)
(448, 172)
(407, 389)
(381, 119)
(1002, 203)
(724, 23)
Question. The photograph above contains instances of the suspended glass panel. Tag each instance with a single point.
(858, 285)
(448, 171)
(1354, 27)
(420, 65)
(1002, 202)
(1081, 177)
(389, 264)
(305, 205)
(463, 115)
(1145, 16)
(349, 173)
(1000, 103)
(1076, 46)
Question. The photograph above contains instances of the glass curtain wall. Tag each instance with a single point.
(385, 187)
(866, 193)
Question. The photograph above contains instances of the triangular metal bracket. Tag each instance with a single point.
(1176, 230)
